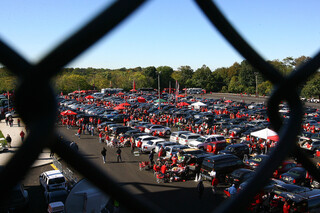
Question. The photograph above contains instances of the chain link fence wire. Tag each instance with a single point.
(38, 108)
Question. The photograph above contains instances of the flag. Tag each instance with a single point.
(177, 90)
(134, 85)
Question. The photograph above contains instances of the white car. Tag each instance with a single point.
(52, 180)
(171, 150)
(158, 128)
(185, 139)
(150, 145)
(201, 141)
(164, 144)
(145, 138)
(174, 137)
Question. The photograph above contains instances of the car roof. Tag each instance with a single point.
(53, 174)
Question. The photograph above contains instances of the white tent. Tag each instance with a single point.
(264, 133)
(198, 104)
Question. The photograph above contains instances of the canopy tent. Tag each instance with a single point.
(120, 93)
(198, 105)
(160, 100)
(228, 101)
(125, 104)
(89, 97)
(133, 90)
(141, 99)
(273, 138)
(119, 107)
(183, 104)
(68, 112)
(181, 96)
(265, 134)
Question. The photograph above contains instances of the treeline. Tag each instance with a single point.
(238, 78)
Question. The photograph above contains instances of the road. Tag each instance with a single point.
(172, 197)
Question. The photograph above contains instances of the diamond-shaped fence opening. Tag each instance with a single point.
(43, 134)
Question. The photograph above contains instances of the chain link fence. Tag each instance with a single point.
(38, 108)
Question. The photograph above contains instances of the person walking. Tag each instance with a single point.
(232, 190)
(200, 189)
(18, 122)
(151, 155)
(119, 155)
(22, 134)
(9, 140)
(104, 154)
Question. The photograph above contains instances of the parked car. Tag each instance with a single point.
(174, 137)
(222, 164)
(297, 175)
(311, 145)
(239, 150)
(255, 161)
(171, 150)
(285, 167)
(185, 139)
(121, 129)
(158, 128)
(52, 180)
(203, 140)
(56, 196)
(16, 201)
(238, 176)
(145, 138)
(164, 144)
(151, 144)
(215, 147)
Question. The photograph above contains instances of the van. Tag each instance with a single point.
(174, 137)
(222, 164)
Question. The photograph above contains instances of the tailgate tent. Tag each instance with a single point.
(264, 134)
(199, 104)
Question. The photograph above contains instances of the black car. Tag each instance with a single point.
(255, 161)
(121, 129)
(297, 176)
(239, 150)
(239, 175)
(222, 164)
(118, 118)
(16, 201)
(131, 133)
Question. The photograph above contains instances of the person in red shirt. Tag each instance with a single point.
(174, 160)
(22, 134)
(163, 169)
(286, 207)
(100, 137)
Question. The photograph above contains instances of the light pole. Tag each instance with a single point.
(159, 88)
(256, 74)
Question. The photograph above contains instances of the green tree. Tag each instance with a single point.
(201, 78)
(165, 76)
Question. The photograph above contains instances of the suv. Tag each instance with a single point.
(52, 180)
(158, 128)
(215, 147)
(174, 137)
(185, 139)
(121, 129)
(222, 164)
(150, 145)
(239, 150)
(203, 140)
(145, 138)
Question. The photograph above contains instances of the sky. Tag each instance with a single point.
(163, 32)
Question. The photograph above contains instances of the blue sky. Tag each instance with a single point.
(163, 32)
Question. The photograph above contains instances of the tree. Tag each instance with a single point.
(165, 76)
(235, 86)
(186, 72)
(201, 78)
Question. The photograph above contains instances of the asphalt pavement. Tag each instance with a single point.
(14, 132)
(171, 197)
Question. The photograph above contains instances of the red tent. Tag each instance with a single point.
(68, 112)
(133, 90)
(125, 104)
(120, 93)
(180, 96)
(141, 99)
(228, 101)
(89, 97)
(183, 104)
(119, 107)
(273, 138)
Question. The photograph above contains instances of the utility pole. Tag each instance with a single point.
(159, 88)
(256, 74)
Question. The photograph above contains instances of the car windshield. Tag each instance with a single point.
(294, 173)
(200, 139)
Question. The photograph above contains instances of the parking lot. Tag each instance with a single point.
(220, 129)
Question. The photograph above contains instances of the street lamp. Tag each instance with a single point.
(159, 88)
(256, 74)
